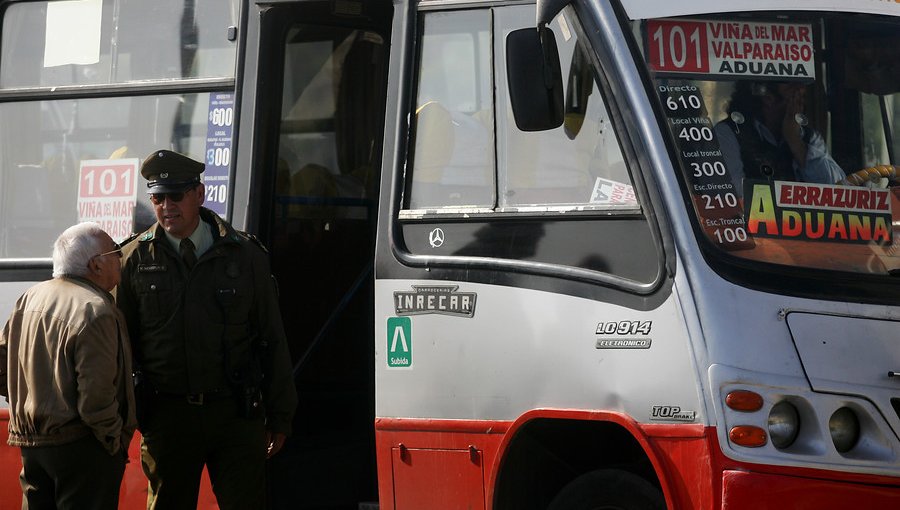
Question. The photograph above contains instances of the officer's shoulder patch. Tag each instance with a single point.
(148, 236)
(255, 240)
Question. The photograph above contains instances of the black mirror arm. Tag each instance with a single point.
(546, 10)
(544, 32)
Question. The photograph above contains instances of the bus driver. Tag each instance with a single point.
(766, 137)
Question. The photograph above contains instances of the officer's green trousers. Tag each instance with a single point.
(180, 437)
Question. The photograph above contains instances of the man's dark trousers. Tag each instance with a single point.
(80, 475)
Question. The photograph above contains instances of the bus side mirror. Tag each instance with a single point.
(534, 78)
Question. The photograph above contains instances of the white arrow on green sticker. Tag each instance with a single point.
(399, 342)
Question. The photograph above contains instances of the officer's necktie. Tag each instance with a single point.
(187, 252)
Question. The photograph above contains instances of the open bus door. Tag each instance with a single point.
(319, 121)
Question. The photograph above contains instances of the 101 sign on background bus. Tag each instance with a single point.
(530, 255)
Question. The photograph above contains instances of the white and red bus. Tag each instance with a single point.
(593, 290)
(525, 258)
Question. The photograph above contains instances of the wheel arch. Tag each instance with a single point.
(545, 449)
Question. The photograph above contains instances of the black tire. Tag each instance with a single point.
(608, 489)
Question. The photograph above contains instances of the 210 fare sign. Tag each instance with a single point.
(107, 194)
(765, 50)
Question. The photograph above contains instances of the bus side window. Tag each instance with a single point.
(579, 163)
(118, 42)
(454, 142)
(462, 158)
(126, 74)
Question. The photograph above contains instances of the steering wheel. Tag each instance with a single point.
(860, 177)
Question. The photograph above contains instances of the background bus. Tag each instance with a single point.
(284, 103)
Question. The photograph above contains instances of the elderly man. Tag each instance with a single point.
(216, 387)
(65, 368)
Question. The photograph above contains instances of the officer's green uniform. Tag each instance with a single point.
(214, 368)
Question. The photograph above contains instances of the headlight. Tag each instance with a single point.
(784, 424)
(844, 428)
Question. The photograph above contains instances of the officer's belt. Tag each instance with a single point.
(197, 399)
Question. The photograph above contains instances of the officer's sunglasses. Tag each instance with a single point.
(178, 196)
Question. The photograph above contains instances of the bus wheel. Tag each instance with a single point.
(608, 489)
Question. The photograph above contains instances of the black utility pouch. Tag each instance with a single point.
(250, 403)
(142, 395)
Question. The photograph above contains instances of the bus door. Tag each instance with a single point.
(320, 117)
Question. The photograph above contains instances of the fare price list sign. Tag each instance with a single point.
(219, 129)
(714, 194)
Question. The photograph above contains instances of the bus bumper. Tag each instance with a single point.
(760, 491)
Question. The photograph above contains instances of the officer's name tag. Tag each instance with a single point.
(151, 268)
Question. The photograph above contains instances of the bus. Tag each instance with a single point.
(531, 255)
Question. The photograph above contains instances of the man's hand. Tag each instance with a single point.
(791, 130)
(274, 442)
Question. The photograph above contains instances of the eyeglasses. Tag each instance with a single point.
(117, 251)
(158, 198)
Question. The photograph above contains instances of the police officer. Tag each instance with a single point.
(212, 364)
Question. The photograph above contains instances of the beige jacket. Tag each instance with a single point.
(65, 367)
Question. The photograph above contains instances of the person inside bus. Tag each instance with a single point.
(215, 384)
(766, 137)
(65, 368)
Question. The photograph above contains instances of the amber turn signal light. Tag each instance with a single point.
(743, 400)
(748, 435)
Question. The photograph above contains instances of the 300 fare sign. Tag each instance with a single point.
(107, 193)
(782, 50)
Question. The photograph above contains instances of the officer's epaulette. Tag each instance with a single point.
(130, 238)
(255, 240)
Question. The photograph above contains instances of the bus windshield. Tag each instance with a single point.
(784, 128)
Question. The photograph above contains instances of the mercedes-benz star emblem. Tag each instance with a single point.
(436, 238)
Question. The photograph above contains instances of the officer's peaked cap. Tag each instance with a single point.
(170, 172)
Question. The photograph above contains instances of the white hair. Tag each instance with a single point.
(75, 248)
